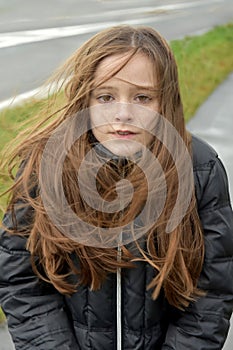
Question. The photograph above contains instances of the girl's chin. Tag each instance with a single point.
(123, 149)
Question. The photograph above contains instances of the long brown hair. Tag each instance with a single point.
(176, 257)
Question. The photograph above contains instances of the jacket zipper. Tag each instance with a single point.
(119, 324)
(119, 300)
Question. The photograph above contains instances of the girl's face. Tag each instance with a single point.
(127, 103)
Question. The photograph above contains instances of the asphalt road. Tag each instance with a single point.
(28, 56)
(36, 37)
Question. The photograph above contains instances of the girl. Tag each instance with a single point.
(118, 234)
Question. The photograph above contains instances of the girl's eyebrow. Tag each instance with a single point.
(112, 88)
(104, 87)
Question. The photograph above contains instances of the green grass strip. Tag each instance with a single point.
(203, 63)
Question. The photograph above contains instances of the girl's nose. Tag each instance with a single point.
(123, 112)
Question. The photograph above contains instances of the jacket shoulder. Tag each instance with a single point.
(203, 154)
(210, 177)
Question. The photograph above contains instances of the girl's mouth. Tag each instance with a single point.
(124, 133)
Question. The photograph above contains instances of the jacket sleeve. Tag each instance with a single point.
(205, 323)
(35, 311)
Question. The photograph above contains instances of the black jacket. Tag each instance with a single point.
(41, 318)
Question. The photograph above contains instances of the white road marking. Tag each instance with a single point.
(170, 7)
(13, 101)
(37, 94)
(30, 36)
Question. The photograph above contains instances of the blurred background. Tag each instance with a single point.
(37, 36)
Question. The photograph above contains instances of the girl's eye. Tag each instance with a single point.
(142, 98)
(105, 98)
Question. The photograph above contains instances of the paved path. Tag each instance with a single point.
(5, 339)
(214, 123)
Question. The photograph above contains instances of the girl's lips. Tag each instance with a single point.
(125, 134)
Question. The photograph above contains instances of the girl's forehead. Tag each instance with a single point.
(139, 70)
